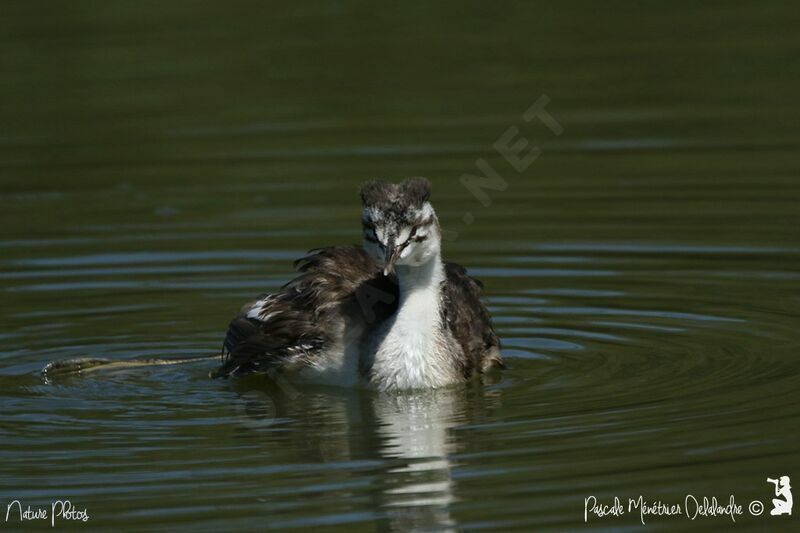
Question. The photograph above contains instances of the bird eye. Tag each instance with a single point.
(415, 236)
(369, 232)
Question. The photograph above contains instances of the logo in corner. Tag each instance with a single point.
(783, 501)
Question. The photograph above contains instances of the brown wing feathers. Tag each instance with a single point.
(469, 321)
(301, 319)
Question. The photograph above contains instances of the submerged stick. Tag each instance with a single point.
(84, 365)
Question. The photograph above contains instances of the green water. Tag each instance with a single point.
(162, 163)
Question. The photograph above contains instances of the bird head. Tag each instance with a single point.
(400, 225)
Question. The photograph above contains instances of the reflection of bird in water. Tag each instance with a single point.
(390, 313)
(416, 429)
(401, 445)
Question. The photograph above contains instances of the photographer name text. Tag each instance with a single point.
(691, 508)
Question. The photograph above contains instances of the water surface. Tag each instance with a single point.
(162, 164)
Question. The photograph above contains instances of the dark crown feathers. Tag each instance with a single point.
(411, 192)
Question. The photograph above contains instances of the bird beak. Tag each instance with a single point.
(392, 255)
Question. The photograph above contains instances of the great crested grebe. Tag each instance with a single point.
(389, 314)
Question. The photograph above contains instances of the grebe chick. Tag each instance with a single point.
(390, 314)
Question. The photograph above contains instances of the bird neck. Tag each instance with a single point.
(420, 281)
(409, 356)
